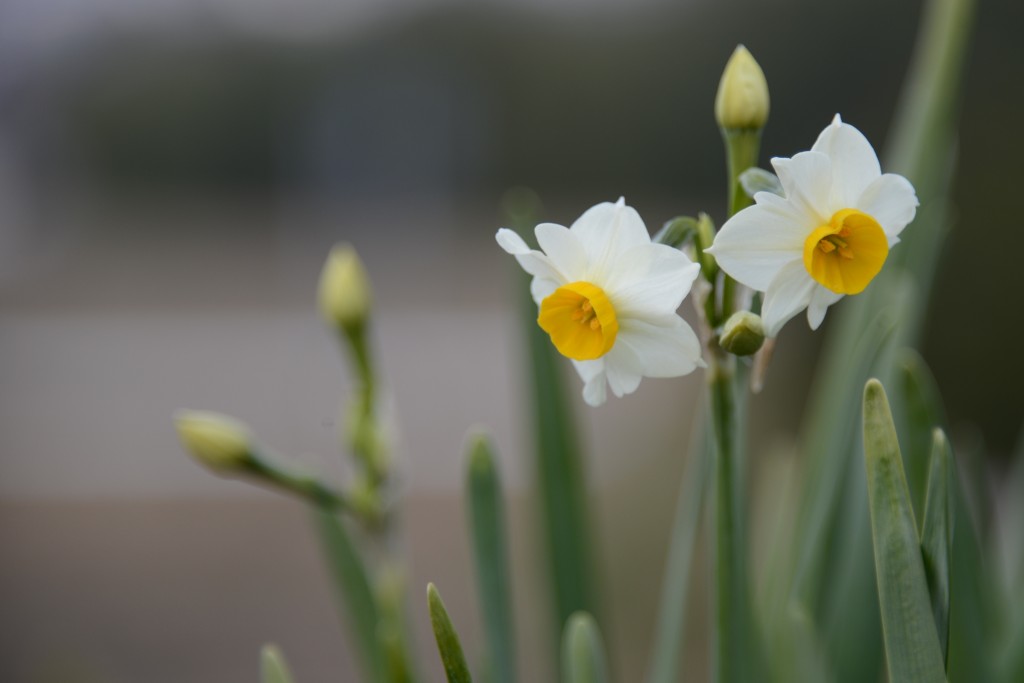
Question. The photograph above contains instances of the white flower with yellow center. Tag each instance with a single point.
(829, 234)
(608, 298)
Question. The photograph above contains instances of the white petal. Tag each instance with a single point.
(533, 262)
(564, 250)
(788, 294)
(541, 289)
(821, 299)
(650, 279)
(665, 350)
(807, 181)
(592, 372)
(756, 243)
(607, 230)
(511, 242)
(854, 163)
(624, 369)
(891, 201)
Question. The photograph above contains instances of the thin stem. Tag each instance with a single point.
(742, 147)
(300, 483)
(736, 653)
(728, 630)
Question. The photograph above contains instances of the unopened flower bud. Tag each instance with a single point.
(742, 101)
(742, 334)
(705, 238)
(344, 289)
(217, 441)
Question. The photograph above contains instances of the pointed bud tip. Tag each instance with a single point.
(742, 101)
(344, 292)
(217, 441)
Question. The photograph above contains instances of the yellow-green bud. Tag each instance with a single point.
(705, 238)
(344, 289)
(742, 334)
(217, 441)
(742, 100)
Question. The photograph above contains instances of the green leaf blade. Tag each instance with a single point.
(937, 535)
(448, 645)
(583, 657)
(355, 593)
(668, 636)
(918, 413)
(488, 535)
(912, 648)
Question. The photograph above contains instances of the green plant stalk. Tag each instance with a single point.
(733, 656)
(364, 439)
(296, 481)
(735, 652)
(742, 145)
(355, 594)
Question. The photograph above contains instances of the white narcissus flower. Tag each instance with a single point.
(829, 234)
(608, 298)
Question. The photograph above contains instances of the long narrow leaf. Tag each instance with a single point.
(355, 594)
(583, 658)
(971, 613)
(487, 531)
(448, 645)
(937, 535)
(918, 411)
(668, 636)
(912, 647)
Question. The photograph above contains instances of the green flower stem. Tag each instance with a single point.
(364, 428)
(742, 146)
(298, 482)
(735, 652)
(729, 589)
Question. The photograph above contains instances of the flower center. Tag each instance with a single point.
(580, 319)
(847, 253)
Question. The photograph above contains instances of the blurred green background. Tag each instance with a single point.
(172, 174)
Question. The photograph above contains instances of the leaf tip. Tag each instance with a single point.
(481, 452)
(273, 667)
